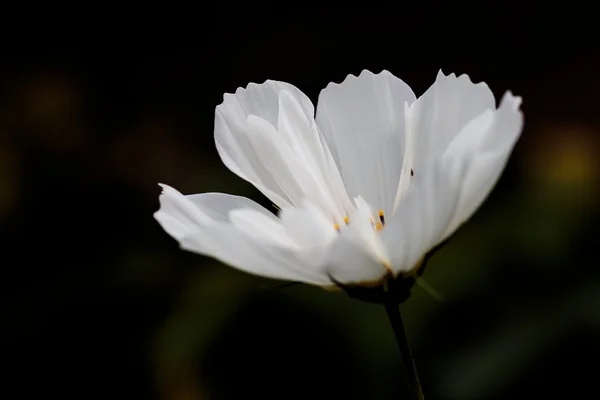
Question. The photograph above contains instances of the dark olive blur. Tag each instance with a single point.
(99, 302)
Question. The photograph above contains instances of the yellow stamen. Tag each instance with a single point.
(337, 227)
(378, 226)
(346, 220)
(381, 217)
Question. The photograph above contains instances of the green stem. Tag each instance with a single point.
(410, 369)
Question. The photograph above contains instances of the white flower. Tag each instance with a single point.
(365, 188)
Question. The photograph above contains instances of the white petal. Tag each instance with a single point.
(232, 142)
(276, 154)
(218, 205)
(239, 232)
(308, 144)
(442, 112)
(253, 255)
(350, 263)
(489, 151)
(491, 131)
(359, 256)
(308, 226)
(293, 169)
(470, 138)
(261, 227)
(180, 215)
(362, 120)
(424, 213)
(407, 162)
(362, 227)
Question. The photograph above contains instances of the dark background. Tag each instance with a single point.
(99, 302)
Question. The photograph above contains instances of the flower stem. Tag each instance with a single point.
(410, 369)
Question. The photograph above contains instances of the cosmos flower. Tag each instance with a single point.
(364, 188)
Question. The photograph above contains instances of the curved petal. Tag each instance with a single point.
(218, 205)
(247, 253)
(296, 176)
(177, 215)
(493, 130)
(488, 141)
(290, 113)
(180, 214)
(230, 131)
(424, 213)
(239, 232)
(350, 263)
(307, 143)
(359, 256)
(308, 226)
(261, 227)
(362, 120)
(438, 116)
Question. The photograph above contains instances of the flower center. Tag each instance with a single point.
(376, 225)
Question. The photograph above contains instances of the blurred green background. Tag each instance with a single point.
(101, 303)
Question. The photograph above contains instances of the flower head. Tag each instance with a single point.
(364, 188)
